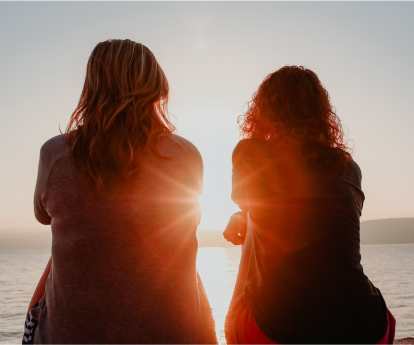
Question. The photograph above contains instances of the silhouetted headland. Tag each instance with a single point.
(387, 231)
(379, 231)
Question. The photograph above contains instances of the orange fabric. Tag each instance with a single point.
(241, 328)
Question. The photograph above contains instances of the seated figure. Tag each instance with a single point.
(300, 278)
(120, 192)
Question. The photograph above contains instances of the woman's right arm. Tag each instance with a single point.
(41, 215)
(41, 286)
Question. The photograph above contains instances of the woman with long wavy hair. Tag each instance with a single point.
(120, 191)
(300, 278)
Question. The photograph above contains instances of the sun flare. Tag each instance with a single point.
(200, 201)
(218, 271)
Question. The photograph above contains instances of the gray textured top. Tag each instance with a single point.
(124, 260)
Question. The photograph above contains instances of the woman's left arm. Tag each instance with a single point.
(41, 286)
(235, 231)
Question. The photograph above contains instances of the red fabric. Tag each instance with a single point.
(241, 328)
(388, 338)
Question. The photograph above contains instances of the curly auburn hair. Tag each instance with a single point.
(293, 105)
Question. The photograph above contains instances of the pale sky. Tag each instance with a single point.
(215, 55)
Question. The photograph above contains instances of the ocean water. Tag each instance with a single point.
(390, 268)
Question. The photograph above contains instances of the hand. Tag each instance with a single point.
(236, 228)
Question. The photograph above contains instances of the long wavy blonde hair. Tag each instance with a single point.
(122, 111)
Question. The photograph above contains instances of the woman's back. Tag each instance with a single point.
(123, 257)
(305, 282)
(301, 273)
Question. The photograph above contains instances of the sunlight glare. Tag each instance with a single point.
(218, 270)
(200, 201)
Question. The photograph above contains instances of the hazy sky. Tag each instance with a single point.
(215, 55)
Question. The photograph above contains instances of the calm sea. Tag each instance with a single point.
(390, 267)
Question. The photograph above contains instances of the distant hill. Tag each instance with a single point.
(387, 231)
(379, 231)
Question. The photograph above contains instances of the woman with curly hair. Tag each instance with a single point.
(120, 192)
(300, 278)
